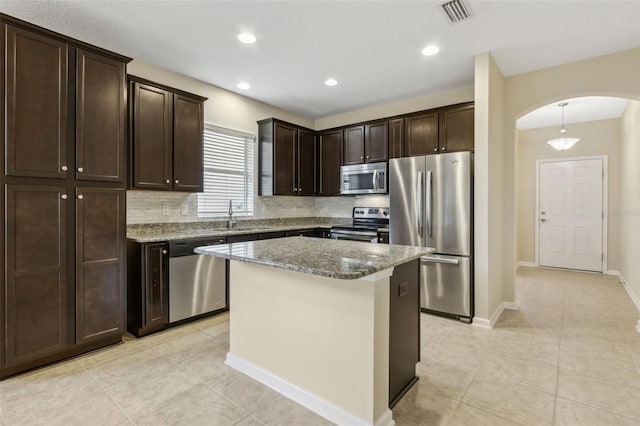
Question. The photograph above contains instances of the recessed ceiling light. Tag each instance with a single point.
(247, 38)
(331, 82)
(243, 86)
(430, 50)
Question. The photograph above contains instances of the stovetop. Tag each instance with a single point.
(367, 219)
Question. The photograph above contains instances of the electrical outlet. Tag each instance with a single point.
(185, 209)
(166, 210)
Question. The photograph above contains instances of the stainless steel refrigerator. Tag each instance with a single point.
(431, 205)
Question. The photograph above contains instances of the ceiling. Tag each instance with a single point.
(373, 48)
(578, 110)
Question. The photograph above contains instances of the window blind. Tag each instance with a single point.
(228, 172)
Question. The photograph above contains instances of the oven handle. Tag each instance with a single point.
(363, 233)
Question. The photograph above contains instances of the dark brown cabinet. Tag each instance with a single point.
(354, 145)
(330, 160)
(36, 304)
(100, 118)
(420, 134)
(287, 159)
(63, 197)
(404, 329)
(166, 137)
(456, 128)
(396, 136)
(366, 144)
(147, 287)
(100, 259)
(37, 104)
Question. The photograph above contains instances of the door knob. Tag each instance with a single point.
(543, 212)
(543, 220)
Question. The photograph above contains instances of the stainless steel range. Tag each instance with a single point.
(367, 223)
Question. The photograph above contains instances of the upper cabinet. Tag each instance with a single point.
(396, 136)
(37, 104)
(40, 104)
(287, 159)
(100, 118)
(421, 134)
(329, 162)
(366, 144)
(446, 129)
(166, 137)
(456, 128)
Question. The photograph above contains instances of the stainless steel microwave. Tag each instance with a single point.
(368, 178)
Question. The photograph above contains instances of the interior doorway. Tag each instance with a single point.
(570, 204)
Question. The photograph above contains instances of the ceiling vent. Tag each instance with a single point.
(456, 10)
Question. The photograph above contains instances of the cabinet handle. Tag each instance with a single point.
(164, 252)
(443, 148)
(63, 196)
(168, 181)
(295, 189)
(361, 158)
(299, 189)
(64, 168)
(177, 181)
(435, 149)
(80, 196)
(80, 170)
(368, 157)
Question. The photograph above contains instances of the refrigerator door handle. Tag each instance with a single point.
(420, 203)
(429, 204)
(439, 259)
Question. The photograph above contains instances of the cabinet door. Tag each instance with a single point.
(100, 251)
(330, 157)
(456, 129)
(306, 163)
(376, 142)
(354, 145)
(36, 289)
(188, 128)
(152, 137)
(421, 135)
(156, 286)
(284, 159)
(100, 118)
(396, 136)
(36, 105)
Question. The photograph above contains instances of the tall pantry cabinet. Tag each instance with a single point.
(63, 196)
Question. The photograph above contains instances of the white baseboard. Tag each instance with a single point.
(489, 323)
(512, 306)
(615, 273)
(632, 295)
(305, 398)
(520, 263)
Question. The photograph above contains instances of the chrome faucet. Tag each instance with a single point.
(231, 221)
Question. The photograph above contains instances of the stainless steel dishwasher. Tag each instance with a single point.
(197, 283)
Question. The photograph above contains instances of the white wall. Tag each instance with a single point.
(596, 138)
(609, 75)
(629, 211)
(488, 222)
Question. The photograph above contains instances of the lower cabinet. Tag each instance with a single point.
(49, 312)
(147, 287)
(404, 329)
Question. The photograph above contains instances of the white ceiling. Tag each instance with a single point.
(371, 47)
(578, 110)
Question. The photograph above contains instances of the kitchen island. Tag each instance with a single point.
(313, 318)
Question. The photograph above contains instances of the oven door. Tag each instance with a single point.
(366, 236)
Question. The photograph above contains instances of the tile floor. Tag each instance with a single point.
(569, 356)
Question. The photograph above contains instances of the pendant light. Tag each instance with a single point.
(563, 143)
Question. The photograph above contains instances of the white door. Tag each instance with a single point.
(570, 214)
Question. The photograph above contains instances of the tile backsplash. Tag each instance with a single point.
(165, 206)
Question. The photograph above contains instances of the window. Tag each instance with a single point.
(228, 172)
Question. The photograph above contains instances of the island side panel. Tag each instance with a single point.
(324, 335)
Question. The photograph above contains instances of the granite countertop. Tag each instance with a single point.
(340, 259)
(168, 234)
